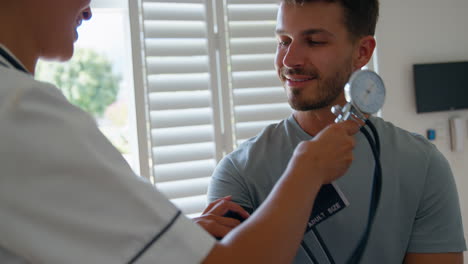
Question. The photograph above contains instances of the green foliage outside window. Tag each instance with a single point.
(87, 80)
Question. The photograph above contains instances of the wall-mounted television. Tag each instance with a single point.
(441, 86)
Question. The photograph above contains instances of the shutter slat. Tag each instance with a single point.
(181, 153)
(252, 12)
(178, 82)
(252, 29)
(191, 205)
(252, 1)
(253, 45)
(176, 47)
(185, 188)
(176, 1)
(178, 171)
(174, 65)
(255, 79)
(173, 11)
(179, 100)
(182, 135)
(178, 118)
(253, 62)
(262, 112)
(259, 96)
(175, 29)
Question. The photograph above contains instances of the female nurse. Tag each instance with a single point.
(68, 196)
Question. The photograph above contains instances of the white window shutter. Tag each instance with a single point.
(177, 73)
(205, 81)
(258, 96)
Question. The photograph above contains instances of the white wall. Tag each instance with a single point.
(423, 31)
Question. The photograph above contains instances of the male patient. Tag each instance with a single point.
(320, 44)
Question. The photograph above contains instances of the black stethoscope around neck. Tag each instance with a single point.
(12, 61)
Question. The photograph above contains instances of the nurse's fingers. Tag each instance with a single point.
(351, 127)
(212, 204)
(224, 206)
(217, 226)
(226, 221)
(221, 220)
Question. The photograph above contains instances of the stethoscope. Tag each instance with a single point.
(365, 95)
(11, 60)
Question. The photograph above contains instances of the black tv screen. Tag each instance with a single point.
(441, 86)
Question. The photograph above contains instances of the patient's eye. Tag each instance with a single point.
(311, 42)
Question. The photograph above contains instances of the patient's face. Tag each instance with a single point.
(54, 24)
(314, 54)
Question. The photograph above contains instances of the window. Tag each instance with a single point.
(102, 54)
(204, 83)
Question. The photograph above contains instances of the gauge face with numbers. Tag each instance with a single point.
(366, 91)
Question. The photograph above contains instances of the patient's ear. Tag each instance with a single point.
(364, 48)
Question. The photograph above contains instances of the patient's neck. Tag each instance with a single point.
(313, 121)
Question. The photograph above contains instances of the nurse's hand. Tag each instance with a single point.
(213, 221)
(328, 155)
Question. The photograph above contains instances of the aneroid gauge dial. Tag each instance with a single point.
(365, 93)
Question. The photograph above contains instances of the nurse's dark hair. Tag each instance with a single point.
(360, 16)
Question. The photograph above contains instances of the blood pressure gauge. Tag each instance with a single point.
(365, 94)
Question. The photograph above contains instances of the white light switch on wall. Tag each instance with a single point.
(457, 133)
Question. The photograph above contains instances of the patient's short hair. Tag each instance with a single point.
(360, 15)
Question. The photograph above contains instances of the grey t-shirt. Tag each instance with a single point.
(419, 210)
